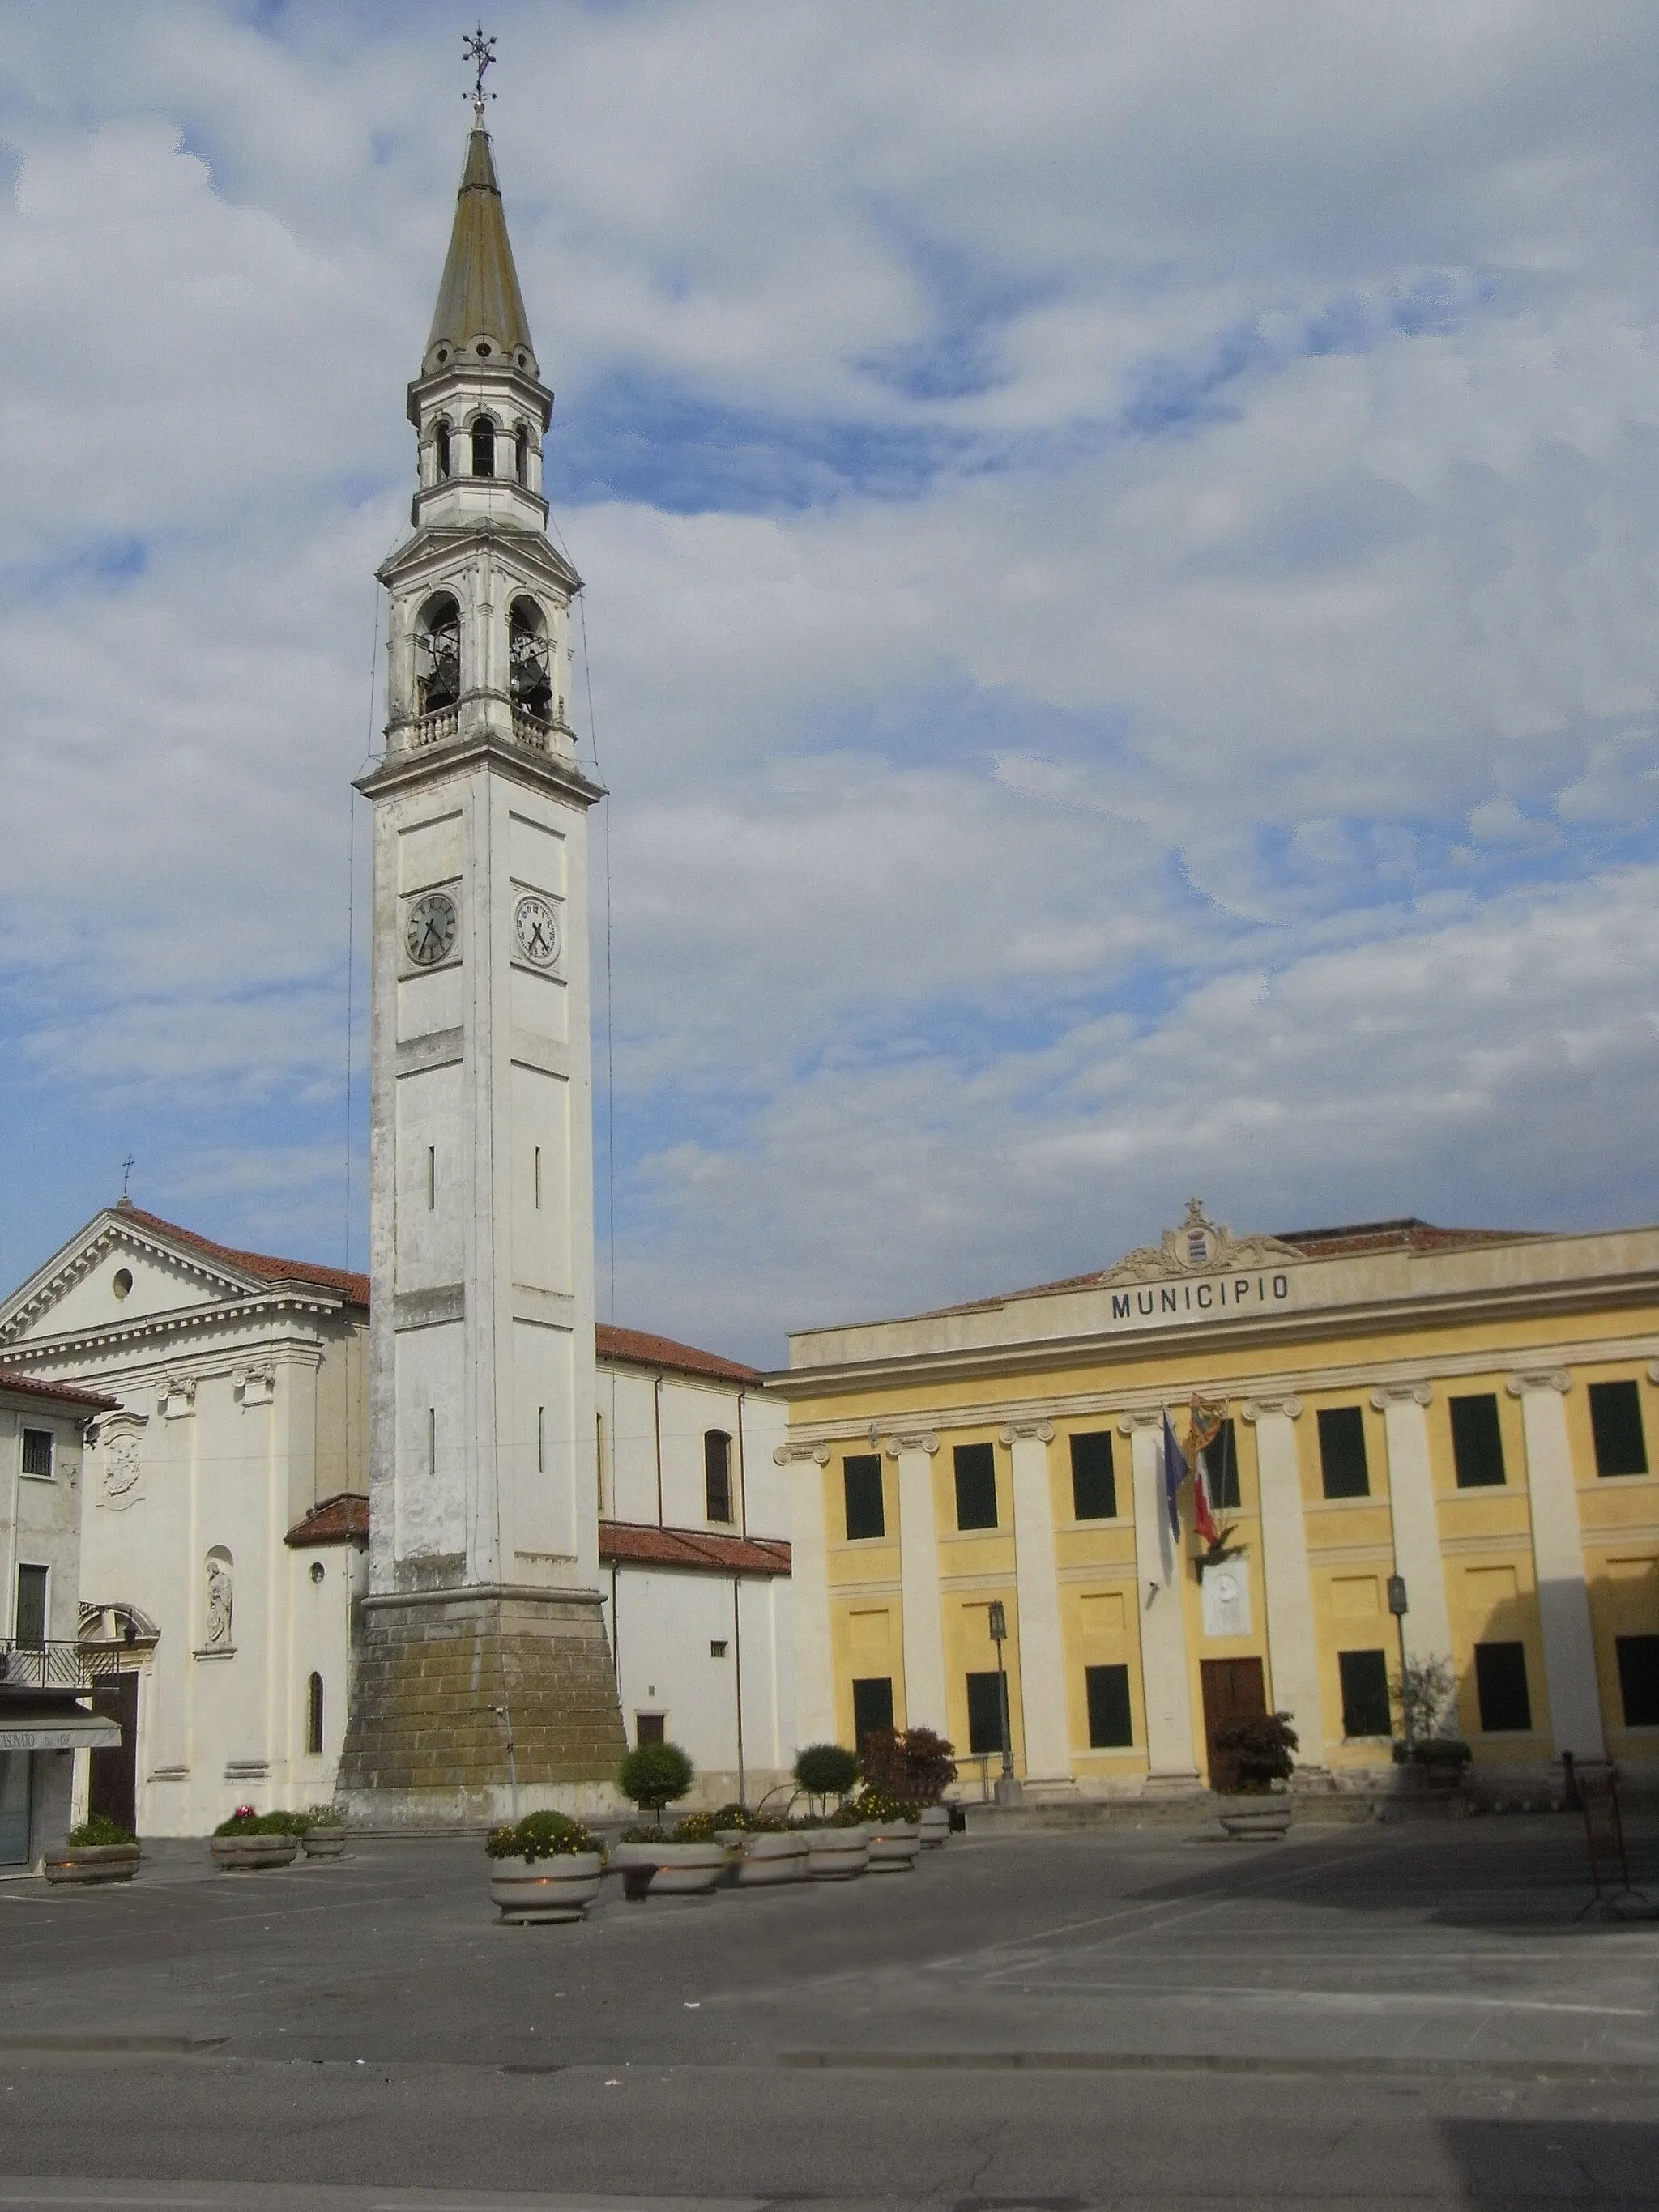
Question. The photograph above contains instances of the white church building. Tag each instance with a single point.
(433, 1542)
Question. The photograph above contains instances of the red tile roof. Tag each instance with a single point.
(635, 1543)
(64, 1393)
(1406, 1235)
(352, 1287)
(639, 1349)
(338, 1519)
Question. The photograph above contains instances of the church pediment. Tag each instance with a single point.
(1199, 1247)
(118, 1271)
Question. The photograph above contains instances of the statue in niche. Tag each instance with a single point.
(218, 1600)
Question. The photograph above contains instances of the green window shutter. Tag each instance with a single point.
(873, 1704)
(1500, 1682)
(1365, 1693)
(1616, 1425)
(984, 1711)
(1094, 1485)
(1111, 1726)
(861, 1476)
(1477, 1443)
(1342, 1452)
(976, 1486)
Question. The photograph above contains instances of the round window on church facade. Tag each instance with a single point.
(123, 1282)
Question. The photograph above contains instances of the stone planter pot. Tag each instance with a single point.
(242, 1854)
(325, 1843)
(766, 1860)
(836, 1854)
(894, 1846)
(1256, 1820)
(935, 1826)
(683, 1869)
(92, 1863)
(559, 1888)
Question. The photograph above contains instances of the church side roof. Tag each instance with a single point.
(479, 295)
(636, 1347)
(639, 1543)
(352, 1288)
(29, 1386)
(338, 1519)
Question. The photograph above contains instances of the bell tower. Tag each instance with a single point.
(483, 1682)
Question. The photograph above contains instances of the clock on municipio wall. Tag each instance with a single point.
(536, 928)
(429, 932)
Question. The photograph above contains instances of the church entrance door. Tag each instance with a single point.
(113, 1779)
(1233, 1689)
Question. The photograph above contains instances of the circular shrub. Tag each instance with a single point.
(541, 1836)
(98, 1831)
(654, 1774)
(245, 1821)
(884, 1805)
(824, 1769)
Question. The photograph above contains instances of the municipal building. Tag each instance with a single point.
(1475, 1412)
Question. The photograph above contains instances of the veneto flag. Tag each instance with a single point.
(1205, 1427)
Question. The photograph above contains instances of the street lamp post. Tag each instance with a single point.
(1398, 1608)
(1008, 1790)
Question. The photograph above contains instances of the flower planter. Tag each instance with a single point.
(894, 1846)
(683, 1869)
(836, 1854)
(1257, 1820)
(242, 1854)
(325, 1843)
(92, 1863)
(935, 1826)
(765, 1860)
(557, 1888)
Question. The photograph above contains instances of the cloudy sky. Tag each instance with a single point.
(1122, 546)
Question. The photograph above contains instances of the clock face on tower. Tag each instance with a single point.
(536, 928)
(429, 932)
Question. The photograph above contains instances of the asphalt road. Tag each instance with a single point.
(1381, 2017)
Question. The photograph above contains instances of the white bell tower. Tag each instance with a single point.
(483, 1682)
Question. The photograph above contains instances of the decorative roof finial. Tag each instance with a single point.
(480, 52)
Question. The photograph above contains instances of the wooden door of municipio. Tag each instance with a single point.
(113, 1778)
(1233, 1688)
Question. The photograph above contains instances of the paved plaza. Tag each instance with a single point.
(1381, 2015)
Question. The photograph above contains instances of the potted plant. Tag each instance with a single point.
(1444, 1759)
(545, 1867)
(99, 1850)
(838, 1846)
(1258, 1746)
(250, 1840)
(324, 1835)
(915, 1763)
(894, 1826)
(691, 1860)
(765, 1851)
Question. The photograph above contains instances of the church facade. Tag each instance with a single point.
(1462, 1424)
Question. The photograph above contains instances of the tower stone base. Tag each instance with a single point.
(480, 1706)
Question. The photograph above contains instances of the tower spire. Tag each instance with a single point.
(480, 310)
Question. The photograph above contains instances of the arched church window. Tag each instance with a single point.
(438, 654)
(314, 1714)
(717, 1474)
(521, 453)
(440, 448)
(483, 447)
(528, 647)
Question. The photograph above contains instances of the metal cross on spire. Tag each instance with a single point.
(480, 52)
(127, 1167)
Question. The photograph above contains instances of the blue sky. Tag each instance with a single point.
(1122, 600)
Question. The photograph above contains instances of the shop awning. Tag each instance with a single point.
(39, 1725)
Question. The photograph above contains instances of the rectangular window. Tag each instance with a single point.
(648, 1728)
(1094, 1486)
(538, 1178)
(432, 1440)
(1639, 1680)
(1477, 1443)
(1500, 1682)
(717, 1474)
(1365, 1693)
(431, 1178)
(1342, 1452)
(1110, 1726)
(717, 1647)
(861, 1476)
(976, 1486)
(984, 1711)
(872, 1706)
(30, 1628)
(37, 1453)
(1616, 1424)
(1221, 1467)
(541, 1439)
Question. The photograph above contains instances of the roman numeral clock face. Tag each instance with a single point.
(430, 932)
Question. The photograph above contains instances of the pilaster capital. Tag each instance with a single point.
(1258, 1409)
(1139, 1417)
(1653, 1370)
(1400, 1393)
(793, 1454)
(1021, 1432)
(913, 1440)
(1538, 1378)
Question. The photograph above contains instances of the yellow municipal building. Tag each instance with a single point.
(1474, 1414)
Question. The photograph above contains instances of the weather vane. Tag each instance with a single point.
(480, 52)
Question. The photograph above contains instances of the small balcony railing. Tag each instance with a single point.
(435, 728)
(55, 1664)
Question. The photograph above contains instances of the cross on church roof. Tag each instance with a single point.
(481, 51)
